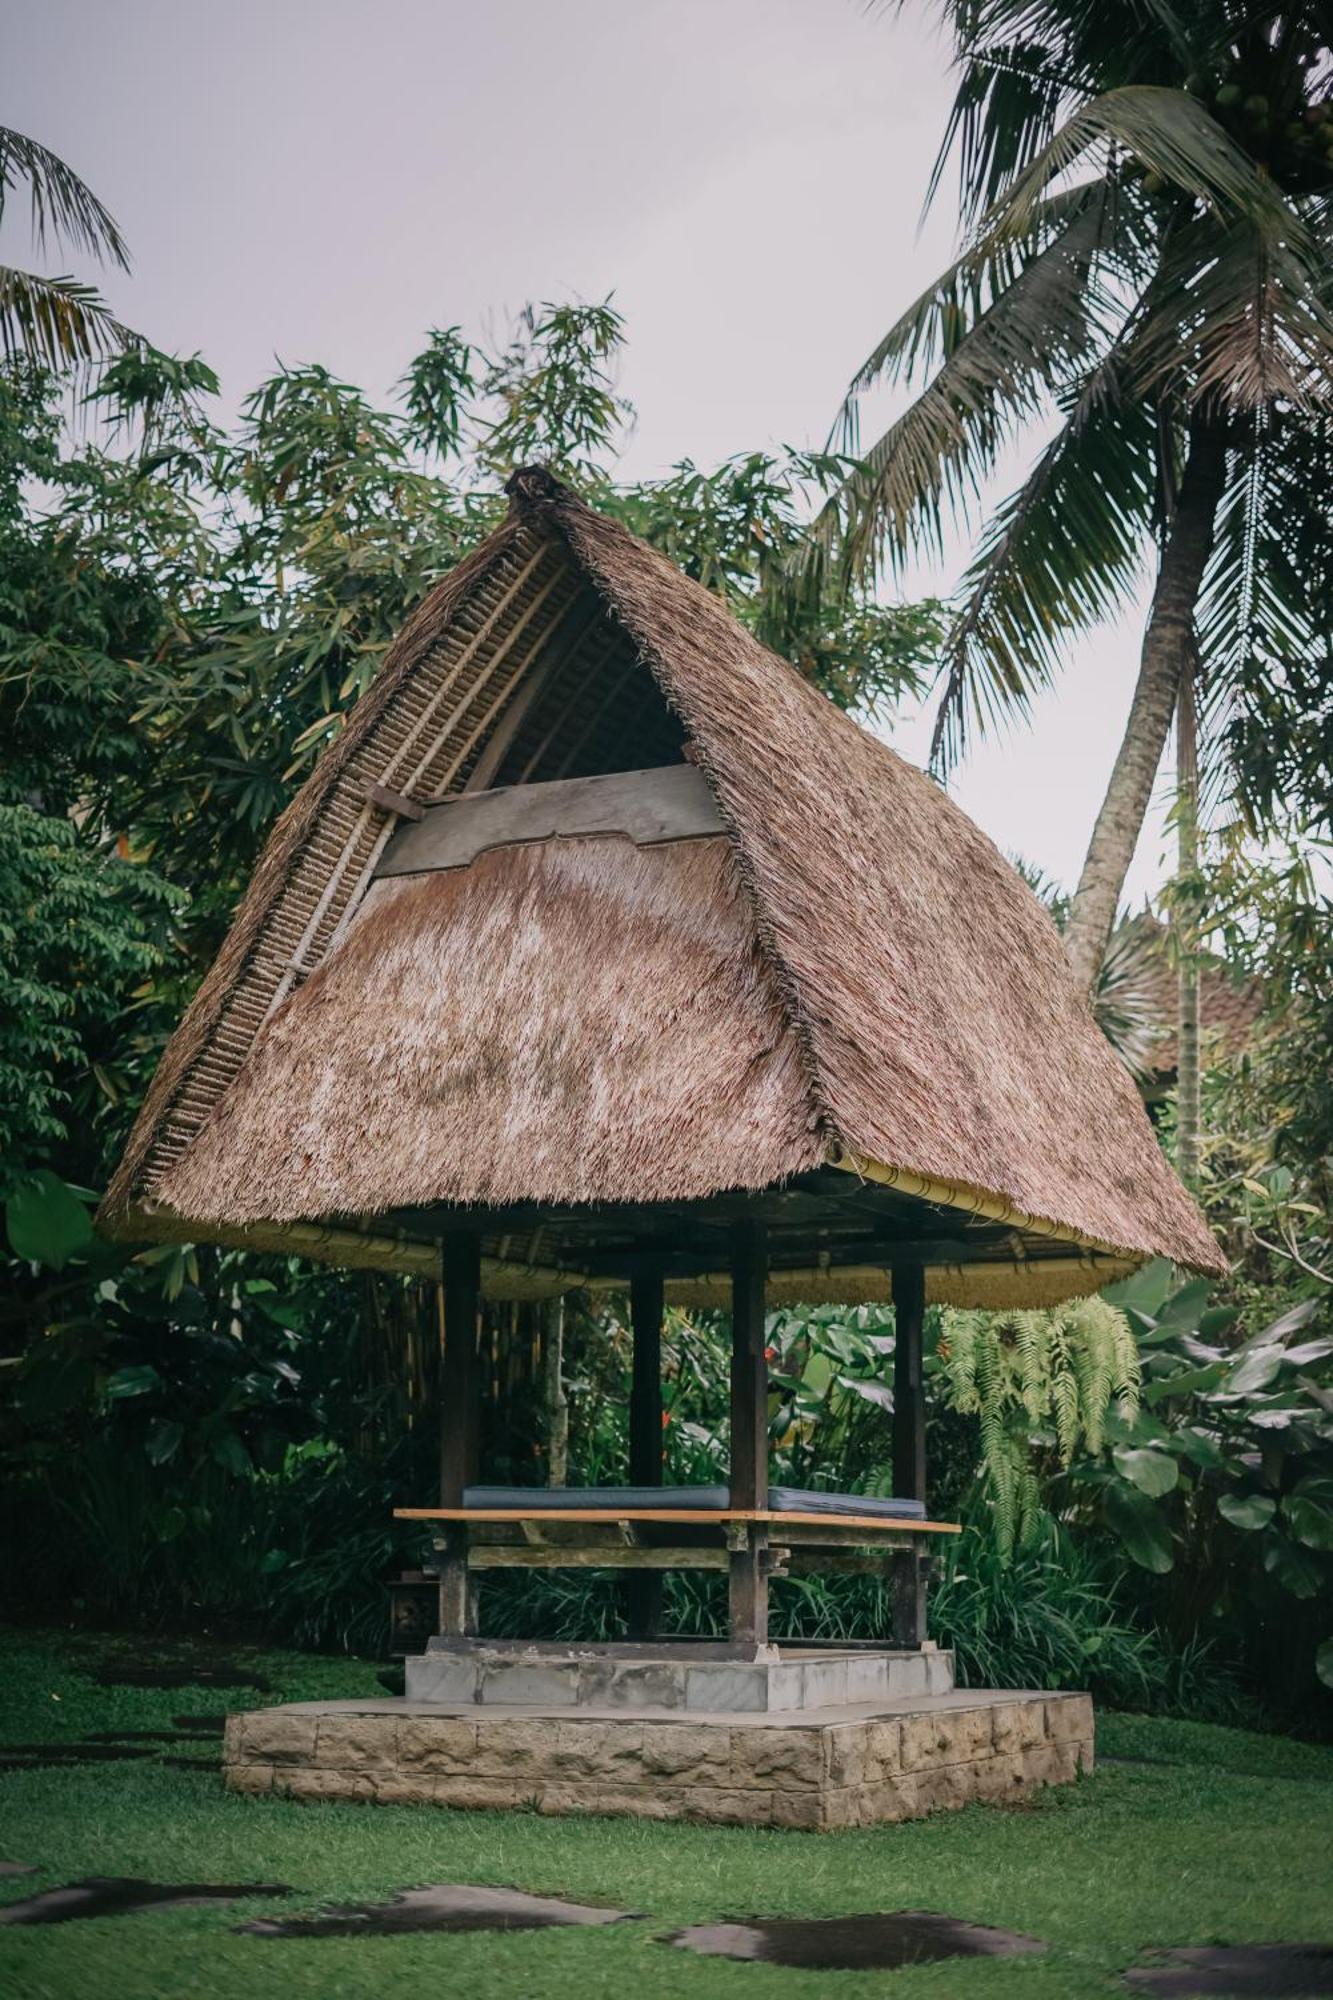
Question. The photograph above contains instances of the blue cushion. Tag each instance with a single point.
(634, 1499)
(645, 1499)
(793, 1500)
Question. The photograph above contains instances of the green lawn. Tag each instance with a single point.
(1208, 1835)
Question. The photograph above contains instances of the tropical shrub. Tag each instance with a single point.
(1222, 1481)
(1036, 1379)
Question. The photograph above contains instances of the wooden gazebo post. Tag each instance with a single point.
(909, 1444)
(646, 1298)
(460, 1269)
(748, 1566)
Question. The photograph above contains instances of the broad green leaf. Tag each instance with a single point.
(1256, 1371)
(1247, 1510)
(231, 1454)
(46, 1221)
(1185, 1308)
(1308, 1352)
(164, 1440)
(1323, 1663)
(1143, 1291)
(1141, 1527)
(1290, 1321)
(140, 1380)
(1199, 1447)
(1310, 1519)
(1294, 1567)
(1153, 1472)
(871, 1392)
(1184, 1382)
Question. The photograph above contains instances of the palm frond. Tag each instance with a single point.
(1168, 133)
(1264, 607)
(1234, 318)
(1125, 996)
(933, 325)
(56, 321)
(931, 461)
(1005, 110)
(64, 207)
(1025, 63)
(1059, 556)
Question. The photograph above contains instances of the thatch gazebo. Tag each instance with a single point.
(600, 950)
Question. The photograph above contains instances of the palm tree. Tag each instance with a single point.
(57, 322)
(1147, 191)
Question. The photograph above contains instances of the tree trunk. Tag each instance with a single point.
(1185, 924)
(1167, 649)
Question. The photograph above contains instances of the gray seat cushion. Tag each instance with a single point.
(645, 1499)
(793, 1500)
(634, 1499)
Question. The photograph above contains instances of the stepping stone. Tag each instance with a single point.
(446, 1906)
(1273, 1971)
(879, 1941)
(119, 1895)
(8, 1868)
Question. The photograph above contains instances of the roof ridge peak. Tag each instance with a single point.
(535, 486)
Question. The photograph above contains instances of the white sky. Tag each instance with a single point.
(324, 179)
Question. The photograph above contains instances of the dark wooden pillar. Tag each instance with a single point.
(647, 1294)
(749, 1434)
(909, 1445)
(459, 1423)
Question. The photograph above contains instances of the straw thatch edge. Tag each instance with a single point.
(119, 1218)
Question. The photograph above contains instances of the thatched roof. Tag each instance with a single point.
(1231, 1005)
(847, 971)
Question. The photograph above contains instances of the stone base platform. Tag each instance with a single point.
(815, 1768)
(690, 1675)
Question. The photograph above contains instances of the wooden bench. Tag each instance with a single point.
(661, 1538)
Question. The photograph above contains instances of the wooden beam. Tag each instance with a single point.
(647, 1303)
(644, 1564)
(748, 1593)
(394, 802)
(909, 1444)
(645, 1396)
(460, 1260)
(648, 807)
(909, 1392)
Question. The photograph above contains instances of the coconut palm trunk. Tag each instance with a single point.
(1168, 647)
(1185, 923)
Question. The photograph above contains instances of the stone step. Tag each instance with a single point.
(792, 1682)
(817, 1769)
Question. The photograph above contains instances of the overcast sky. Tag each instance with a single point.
(324, 179)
